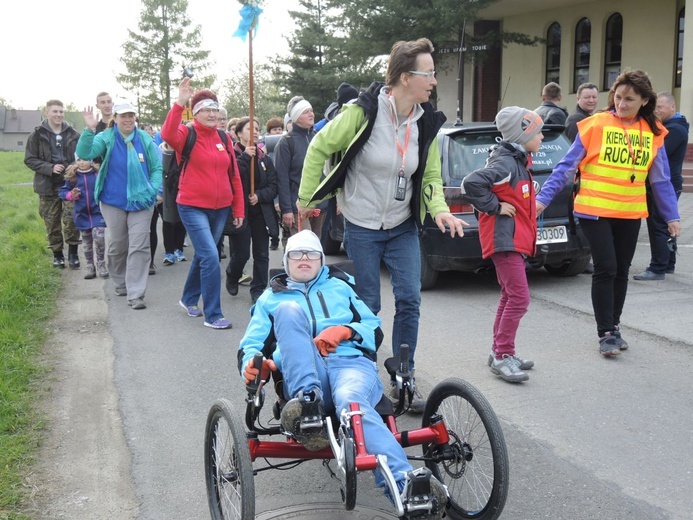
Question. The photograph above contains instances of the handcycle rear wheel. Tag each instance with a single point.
(228, 467)
(477, 475)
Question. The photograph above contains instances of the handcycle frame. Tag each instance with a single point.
(449, 454)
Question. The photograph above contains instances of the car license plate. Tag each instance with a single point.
(552, 235)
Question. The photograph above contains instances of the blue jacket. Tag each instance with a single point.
(675, 144)
(87, 213)
(328, 300)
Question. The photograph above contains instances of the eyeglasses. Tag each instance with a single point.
(298, 255)
(430, 75)
(58, 141)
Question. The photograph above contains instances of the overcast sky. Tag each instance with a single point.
(70, 49)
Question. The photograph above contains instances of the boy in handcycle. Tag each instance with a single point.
(326, 339)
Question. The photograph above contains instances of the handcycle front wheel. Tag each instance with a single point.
(228, 467)
(475, 469)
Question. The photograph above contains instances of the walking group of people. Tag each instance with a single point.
(377, 153)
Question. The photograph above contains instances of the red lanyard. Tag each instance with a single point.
(631, 152)
(400, 149)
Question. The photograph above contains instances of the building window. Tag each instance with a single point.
(679, 49)
(553, 53)
(612, 49)
(583, 36)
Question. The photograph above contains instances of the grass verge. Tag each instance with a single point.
(29, 288)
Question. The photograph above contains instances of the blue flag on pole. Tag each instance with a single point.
(249, 20)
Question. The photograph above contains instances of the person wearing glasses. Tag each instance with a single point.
(311, 325)
(49, 150)
(206, 191)
(388, 179)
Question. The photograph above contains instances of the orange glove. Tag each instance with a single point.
(329, 338)
(250, 372)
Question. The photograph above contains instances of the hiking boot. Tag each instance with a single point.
(422, 491)
(648, 275)
(169, 259)
(121, 291)
(137, 304)
(102, 271)
(192, 310)
(221, 323)
(152, 268)
(245, 279)
(180, 257)
(508, 368)
(59, 261)
(73, 257)
(524, 364)
(91, 272)
(610, 344)
(231, 286)
(304, 418)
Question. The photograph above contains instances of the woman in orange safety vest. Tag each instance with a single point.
(616, 152)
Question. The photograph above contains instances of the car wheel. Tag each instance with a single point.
(429, 275)
(572, 268)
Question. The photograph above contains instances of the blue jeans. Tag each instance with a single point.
(341, 380)
(204, 227)
(399, 249)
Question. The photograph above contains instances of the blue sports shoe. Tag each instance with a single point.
(169, 259)
(180, 257)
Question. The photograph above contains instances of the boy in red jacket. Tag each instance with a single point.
(503, 194)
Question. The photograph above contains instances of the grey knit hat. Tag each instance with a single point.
(518, 125)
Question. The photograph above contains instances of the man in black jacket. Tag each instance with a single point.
(49, 150)
(587, 99)
(662, 246)
(549, 110)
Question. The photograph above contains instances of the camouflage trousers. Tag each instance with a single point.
(57, 214)
(93, 241)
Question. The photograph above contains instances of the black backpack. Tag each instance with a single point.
(172, 168)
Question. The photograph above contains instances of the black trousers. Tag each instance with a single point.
(612, 242)
(256, 233)
(174, 235)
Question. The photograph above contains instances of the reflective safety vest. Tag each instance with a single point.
(613, 173)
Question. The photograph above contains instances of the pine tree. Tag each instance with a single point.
(318, 62)
(155, 55)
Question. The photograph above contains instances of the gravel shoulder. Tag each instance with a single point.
(83, 468)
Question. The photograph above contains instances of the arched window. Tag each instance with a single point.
(679, 49)
(553, 53)
(583, 37)
(612, 49)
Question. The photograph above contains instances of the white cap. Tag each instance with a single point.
(124, 107)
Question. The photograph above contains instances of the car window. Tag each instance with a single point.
(553, 148)
(467, 152)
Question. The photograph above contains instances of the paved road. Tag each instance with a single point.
(588, 437)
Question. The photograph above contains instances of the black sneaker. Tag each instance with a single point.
(231, 286)
(622, 343)
(424, 496)
(59, 261)
(304, 418)
(609, 344)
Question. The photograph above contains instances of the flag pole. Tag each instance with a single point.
(251, 111)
